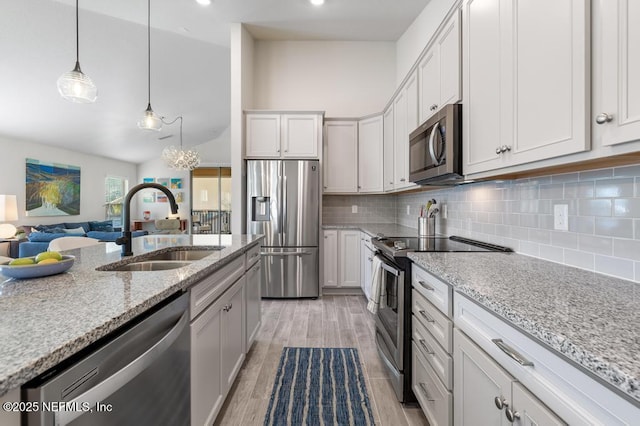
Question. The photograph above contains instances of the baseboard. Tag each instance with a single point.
(342, 291)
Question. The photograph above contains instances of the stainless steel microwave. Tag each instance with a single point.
(435, 149)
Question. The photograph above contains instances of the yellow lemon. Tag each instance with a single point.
(48, 255)
(22, 261)
(47, 261)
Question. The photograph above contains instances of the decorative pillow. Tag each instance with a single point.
(55, 230)
(104, 226)
(78, 230)
(75, 225)
(45, 228)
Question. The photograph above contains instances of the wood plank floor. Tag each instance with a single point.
(332, 321)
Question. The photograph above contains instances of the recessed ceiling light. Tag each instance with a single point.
(204, 2)
(317, 2)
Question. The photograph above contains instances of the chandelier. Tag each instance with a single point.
(178, 158)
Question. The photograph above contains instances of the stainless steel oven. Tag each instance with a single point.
(393, 319)
(393, 326)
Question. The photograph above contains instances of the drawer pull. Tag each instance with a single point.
(423, 387)
(512, 353)
(427, 317)
(426, 348)
(427, 286)
(500, 402)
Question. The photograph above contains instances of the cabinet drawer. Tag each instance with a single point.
(435, 400)
(570, 392)
(438, 359)
(210, 288)
(433, 320)
(252, 256)
(436, 291)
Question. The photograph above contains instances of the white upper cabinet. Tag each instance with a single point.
(263, 135)
(388, 146)
(405, 120)
(340, 154)
(616, 108)
(271, 135)
(370, 154)
(439, 70)
(525, 81)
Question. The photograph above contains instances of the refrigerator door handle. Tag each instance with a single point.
(289, 253)
(284, 208)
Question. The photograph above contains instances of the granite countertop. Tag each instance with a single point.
(373, 229)
(46, 320)
(589, 318)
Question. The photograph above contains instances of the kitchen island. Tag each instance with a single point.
(46, 320)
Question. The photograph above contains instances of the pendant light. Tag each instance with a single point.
(75, 86)
(179, 159)
(150, 120)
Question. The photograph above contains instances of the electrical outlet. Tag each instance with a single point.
(408, 209)
(561, 217)
(354, 209)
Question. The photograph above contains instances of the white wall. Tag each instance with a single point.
(342, 78)
(216, 152)
(415, 38)
(93, 171)
(242, 52)
(158, 169)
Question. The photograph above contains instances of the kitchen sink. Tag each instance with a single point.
(185, 254)
(150, 265)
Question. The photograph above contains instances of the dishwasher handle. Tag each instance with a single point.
(118, 380)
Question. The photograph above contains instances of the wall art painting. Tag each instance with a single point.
(52, 189)
(163, 181)
(148, 180)
(176, 183)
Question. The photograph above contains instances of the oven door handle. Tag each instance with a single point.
(391, 269)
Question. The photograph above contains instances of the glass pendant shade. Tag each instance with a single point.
(150, 121)
(77, 87)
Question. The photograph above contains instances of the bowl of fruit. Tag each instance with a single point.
(44, 264)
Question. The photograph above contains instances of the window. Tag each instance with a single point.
(114, 191)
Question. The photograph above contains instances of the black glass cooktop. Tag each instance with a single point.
(401, 246)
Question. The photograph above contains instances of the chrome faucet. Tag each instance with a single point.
(125, 239)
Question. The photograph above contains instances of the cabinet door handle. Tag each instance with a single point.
(423, 387)
(603, 118)
(512, 353)
(427, 317)
(500, 402)
(498, 151)
(426, 286)
(403, 180)
(426, 348)
(227, 308)
(511, 415)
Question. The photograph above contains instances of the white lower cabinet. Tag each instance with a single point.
(217, 353)
(485, 394)
(341, 258)
(225, 318)
(253, 311)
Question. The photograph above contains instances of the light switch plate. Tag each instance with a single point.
(408, 209)
(354, 209)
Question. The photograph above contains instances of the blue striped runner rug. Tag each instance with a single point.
(319, 386)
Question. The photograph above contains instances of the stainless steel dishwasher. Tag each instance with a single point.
(140, 376)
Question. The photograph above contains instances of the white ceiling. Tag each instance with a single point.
(189, 63)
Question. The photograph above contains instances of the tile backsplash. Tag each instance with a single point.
(603, 207)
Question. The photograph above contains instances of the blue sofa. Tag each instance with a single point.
(40, 236)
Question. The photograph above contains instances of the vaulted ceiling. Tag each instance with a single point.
(190, 62)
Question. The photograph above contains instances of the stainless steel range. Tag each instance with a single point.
(393, 320)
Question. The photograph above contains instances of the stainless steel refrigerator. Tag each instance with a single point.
(283, 199)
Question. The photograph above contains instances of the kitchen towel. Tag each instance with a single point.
(376, 285)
